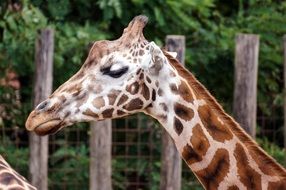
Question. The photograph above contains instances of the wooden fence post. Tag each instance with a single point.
(284, 91)
(38, 163)
(100, 155)
(171, 167)
(245, 88)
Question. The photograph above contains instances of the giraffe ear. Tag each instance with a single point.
(157, 59)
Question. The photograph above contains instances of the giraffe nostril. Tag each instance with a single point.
(42, 105)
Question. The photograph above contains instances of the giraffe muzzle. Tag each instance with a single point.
(42, 123)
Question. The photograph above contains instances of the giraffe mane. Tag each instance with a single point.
(236, 129)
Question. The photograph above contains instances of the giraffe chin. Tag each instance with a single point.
(49, 127)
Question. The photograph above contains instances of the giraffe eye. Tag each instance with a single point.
(114, 73)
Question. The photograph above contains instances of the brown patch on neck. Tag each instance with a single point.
(248, 176)
(185, 92)
(183, 112)
(199, 146)
(199, 140)
(234, 187)
(216, 129)
(178, 126)
(268, 169)
(214, 174)
(279, 185)
(190, 155)
(174, 88)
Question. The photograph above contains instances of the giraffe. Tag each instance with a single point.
(131, 75)
(10, 179)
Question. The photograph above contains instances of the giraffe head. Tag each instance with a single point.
(117, 79)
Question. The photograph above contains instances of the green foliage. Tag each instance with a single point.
(69, 163)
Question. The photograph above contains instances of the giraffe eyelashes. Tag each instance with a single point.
(114, 73)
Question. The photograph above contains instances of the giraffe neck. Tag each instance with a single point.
(212, 144)
(10, 179)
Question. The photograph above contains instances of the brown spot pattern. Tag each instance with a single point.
(107, 113)
(190, 155)
(62, 99)
(234, 187)
(138, 71)
(162, 117)
(199, 146)
(216, 129)
(164, 106)
(199, 141)
(172, 73)
(81, 99)
(133, 88)
(174, 88)
(74, 89)
(120, 113)
(122, 99)
(141, 76)
(265, 165)
(90, 113)
(153, 95)
(141, 52)
(248, 176)
(280, 185)
(157, 83)
(134, 104)
(160, 92)
(8, 179)
(53, 108)
(145, 92)
(183, 112)
(216, 170)
(185, 92)
(112, 96)
(148, 79)
(98, 102)
(178, 126)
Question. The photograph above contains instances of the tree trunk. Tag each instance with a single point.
(100, 155)
(246, 65)
(171, 168)
(38, 163)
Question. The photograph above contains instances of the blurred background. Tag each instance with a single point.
(210, 27)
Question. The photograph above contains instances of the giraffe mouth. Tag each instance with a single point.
(44, 123)
(49, 127)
